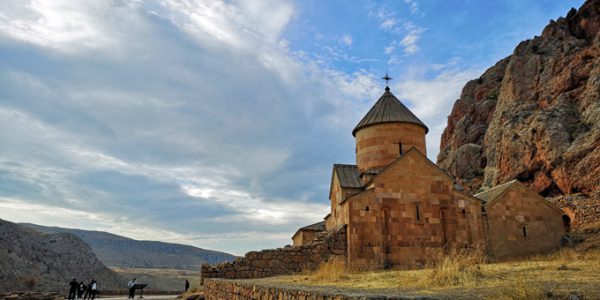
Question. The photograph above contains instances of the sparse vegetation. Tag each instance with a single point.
(552, 276)
(30, 282)
(457, 269)
(192, 293)
(335, 269)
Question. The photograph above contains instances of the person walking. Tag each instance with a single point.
(131, 286)
(94, 289)
(88, 291)
(80, 290)
(187, 285)
(72, 289)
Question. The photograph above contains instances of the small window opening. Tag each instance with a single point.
(400, 148)
(367, 208)
(464, 212)
(524, 232)
(418, 213)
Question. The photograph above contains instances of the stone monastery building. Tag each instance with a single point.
(399, 209)
(396, 208)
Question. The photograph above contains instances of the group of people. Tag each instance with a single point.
(80, 290)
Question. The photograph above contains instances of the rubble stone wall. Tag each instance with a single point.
(281, 261)
(222, 289)
(581, 210)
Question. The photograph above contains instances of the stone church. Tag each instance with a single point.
(399, 209)
(396, 208)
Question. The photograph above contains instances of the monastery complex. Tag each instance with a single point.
(396, 208)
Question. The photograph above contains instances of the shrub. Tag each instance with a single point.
(30, 282)
(522, 289)
(457, 269)
(332, 270)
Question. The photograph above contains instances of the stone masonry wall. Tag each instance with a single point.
(221, 289)
(281, 261)
(581, 210)
(520, 223)
(378, 145)
(411, 216)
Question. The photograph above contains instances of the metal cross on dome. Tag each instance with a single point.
(387, 79)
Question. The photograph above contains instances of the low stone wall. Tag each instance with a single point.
(581, 210)
(281, 261)
(223, 289)
(31, 296)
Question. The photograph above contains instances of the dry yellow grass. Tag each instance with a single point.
(461, 276)
(335, 269)
(456, 269)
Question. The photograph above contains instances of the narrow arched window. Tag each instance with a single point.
(524, 231)
(417, 213)
(400, 148)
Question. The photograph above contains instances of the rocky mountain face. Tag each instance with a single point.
(121, 252)
(535, 117)
(34, 261)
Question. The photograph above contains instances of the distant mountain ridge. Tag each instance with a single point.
(122, 252)
(35, 261)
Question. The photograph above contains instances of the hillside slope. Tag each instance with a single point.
(118, 251)
(30, 260)
(535, 116)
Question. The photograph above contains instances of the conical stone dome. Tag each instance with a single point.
(388, 109)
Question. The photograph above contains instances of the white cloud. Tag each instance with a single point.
(390, 48)
(346, 40)
(194, 112)
(388, 24)
(432, 99)
(409, 42)
(413, 6)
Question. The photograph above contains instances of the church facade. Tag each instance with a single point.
(400, 210)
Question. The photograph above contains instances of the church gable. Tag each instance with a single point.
(515, 188)
(412, 170)
(520, 221)
(345, 181)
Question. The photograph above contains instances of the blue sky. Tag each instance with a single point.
(215, 123)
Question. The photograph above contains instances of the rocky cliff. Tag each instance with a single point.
(534, 116)
(30, 260)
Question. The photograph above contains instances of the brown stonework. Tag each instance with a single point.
(220, 289)
(303, 237)
(308, 234)
(378, 145)
(396, 208)
(281, 261)
(409, 216)
(521, 223)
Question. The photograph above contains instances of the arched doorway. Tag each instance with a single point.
(566, 223)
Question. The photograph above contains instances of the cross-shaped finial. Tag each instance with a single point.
(387, 79)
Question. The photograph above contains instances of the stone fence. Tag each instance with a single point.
(281, 261)
(225, 289)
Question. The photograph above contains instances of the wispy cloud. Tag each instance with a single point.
(432, 98)
(169, 117)
(388, 24)
(413, 6)
(346, 40)
(403, 33)
(411, 38)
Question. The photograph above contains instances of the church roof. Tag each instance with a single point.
(494, 192)
(348, 175)
(320, 226)
(388, 109)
